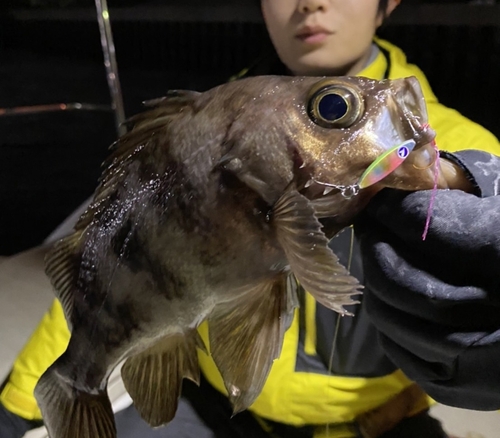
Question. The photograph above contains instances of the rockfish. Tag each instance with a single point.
(210, 209)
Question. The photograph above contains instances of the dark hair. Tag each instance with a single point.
(382, 8)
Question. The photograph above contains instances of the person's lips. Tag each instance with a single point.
(312, 34)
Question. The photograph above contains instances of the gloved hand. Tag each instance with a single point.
(13, 426)
(436, 303)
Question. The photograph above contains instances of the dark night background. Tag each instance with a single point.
(50, 52)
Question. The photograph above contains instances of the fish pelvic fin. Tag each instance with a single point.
(153, 378)
(246, 335)
(70, 413)
(313, 263)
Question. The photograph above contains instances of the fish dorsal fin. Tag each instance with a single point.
(174, 98)
(314, 264)
(153, 378)
(61, 266)
(246, 335)
(150, 129)
(63, 260)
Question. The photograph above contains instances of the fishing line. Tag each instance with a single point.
(337, 325)
(434, 191)
(380, 168)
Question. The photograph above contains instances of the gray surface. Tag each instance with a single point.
(25, 295)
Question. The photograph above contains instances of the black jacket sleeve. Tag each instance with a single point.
(436, 303)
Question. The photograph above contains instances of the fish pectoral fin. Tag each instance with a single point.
(314, 264)
(69, 413)
(246, 335)
(153, 378)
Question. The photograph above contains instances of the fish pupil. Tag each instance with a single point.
(332, 107)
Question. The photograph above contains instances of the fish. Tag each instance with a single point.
(215, 206)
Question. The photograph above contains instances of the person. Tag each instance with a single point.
(428, 321)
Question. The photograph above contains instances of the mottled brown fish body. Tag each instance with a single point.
(209, 210)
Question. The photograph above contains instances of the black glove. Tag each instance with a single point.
(13, 426)
(436, 303)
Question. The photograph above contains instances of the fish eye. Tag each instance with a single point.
(335, 106)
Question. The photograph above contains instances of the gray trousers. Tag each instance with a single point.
(186, 424)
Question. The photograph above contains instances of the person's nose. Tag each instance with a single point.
(309, 6)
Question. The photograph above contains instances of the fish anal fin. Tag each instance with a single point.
(153, 378)
(68, 413)
(314, 264)
(245, 338)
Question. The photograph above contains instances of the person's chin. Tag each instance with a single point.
(313, 65)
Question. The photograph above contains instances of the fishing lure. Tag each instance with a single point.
(382, 166)
(385, 164)
(391, 160)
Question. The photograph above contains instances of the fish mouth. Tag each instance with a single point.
(330, 199)
(424, 155)
(421, 133)
(408, 105)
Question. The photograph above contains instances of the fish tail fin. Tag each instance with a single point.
(70, 413)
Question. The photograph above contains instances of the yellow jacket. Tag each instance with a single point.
(304, 398)
(289, 396)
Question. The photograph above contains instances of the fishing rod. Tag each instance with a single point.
(110, 64)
